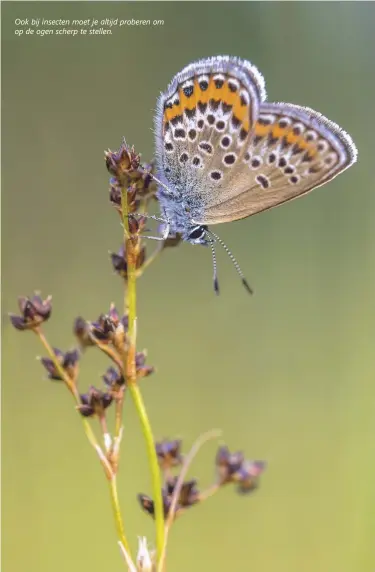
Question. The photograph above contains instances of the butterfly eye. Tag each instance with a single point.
(197, 232)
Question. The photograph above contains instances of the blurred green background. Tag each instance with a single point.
(288, 375)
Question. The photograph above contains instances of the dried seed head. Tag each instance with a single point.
(68, 361)
(169, 454)
(233, 468)
(188, 496)
(94, 403)
(115, 381)
(34, 311)
(120, 263)
(123, 164)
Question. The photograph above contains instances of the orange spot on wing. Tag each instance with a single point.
(204, 96)
(262, 130)
(294, 139)
(227, 95)
(277, 132)
(170, 113)
(291, 137)
(312, 150)
(224, 94)
(240, 111)
(280, 132)
(186, 102)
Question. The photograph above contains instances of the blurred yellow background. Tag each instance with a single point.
(288, 375)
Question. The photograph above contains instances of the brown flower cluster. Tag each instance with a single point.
(229, 468)
(108, 333)
(127, 172)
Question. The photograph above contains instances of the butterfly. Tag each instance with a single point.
(223, 153)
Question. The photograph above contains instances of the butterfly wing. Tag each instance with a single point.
(208, 105)
(290, 151)
(228, 154)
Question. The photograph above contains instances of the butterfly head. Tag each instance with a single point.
(197, 234)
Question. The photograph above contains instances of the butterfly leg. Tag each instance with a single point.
(145, 215)
(159, 219)
(154, 237)
(164, 236)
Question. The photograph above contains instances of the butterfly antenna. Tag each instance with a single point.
(234, 261)
(216, 281)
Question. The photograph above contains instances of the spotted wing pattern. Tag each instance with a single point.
(230, 154)
(203, 124)
(291, 151)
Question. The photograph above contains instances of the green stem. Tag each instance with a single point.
(154, 466)
(117, 513)
(130, 374)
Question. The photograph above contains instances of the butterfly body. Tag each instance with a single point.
(180, 212)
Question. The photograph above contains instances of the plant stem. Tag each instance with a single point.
(177, 489)
(108, 351)
(117, 513)
(118, 415)
(154, 466)
(212, 490)
(91, 437)
(70, 385)
(131, 378)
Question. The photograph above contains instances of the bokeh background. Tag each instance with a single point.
(288, 375)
